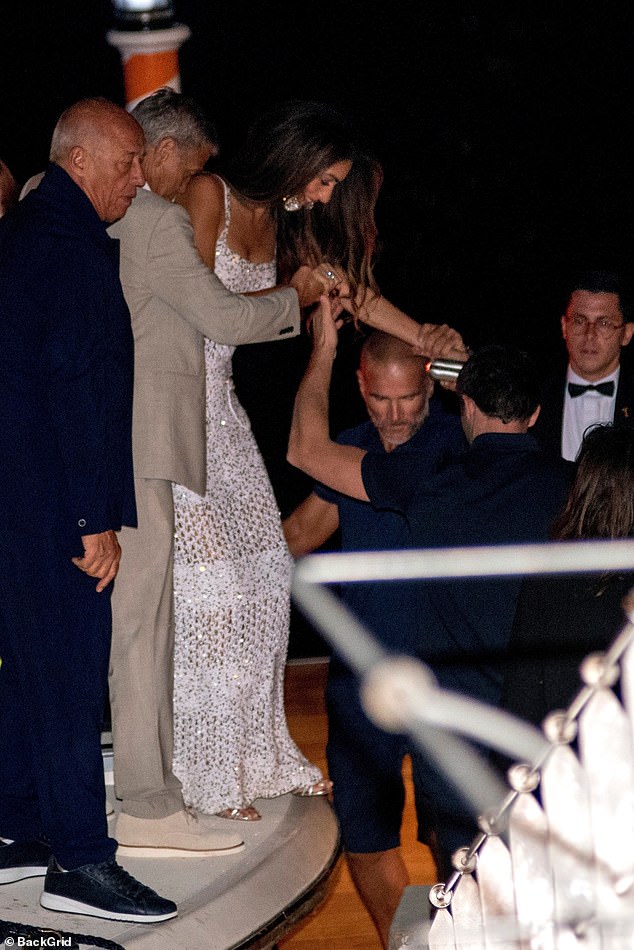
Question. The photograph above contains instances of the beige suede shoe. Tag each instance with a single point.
(183, 834)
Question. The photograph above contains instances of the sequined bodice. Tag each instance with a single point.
(239, 275)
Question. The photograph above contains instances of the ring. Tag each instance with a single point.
(331, 275)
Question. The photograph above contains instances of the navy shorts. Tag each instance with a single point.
(365, 765)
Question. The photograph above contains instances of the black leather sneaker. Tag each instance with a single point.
(22, 859)
(104, 890)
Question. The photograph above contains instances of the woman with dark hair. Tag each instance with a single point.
(300, 194)
(560, 620)
(304, 172)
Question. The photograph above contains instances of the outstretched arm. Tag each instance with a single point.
(433, 340)
(310, 447)
(310, 525)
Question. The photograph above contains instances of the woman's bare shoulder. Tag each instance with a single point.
(204, 191)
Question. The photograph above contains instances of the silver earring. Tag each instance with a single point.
(291, 203)
(295, 203)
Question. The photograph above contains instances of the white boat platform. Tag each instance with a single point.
(246, 900)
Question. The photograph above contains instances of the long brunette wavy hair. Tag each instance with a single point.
(286, 148)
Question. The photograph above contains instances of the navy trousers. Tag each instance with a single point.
(54, 644)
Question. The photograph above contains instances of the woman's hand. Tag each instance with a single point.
(438, 341)
(334, 280)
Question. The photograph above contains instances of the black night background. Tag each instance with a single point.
(504, 129)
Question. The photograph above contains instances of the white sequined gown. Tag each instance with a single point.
(232, 576)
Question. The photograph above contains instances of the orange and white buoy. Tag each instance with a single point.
(148, 42)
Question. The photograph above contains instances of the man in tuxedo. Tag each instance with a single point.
(596, 388)
(175, 302)
(66, 367)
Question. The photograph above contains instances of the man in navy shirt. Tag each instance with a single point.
(365, 762)
(502, 490)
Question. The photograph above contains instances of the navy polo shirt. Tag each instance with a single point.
(389, 609)
(504, 490)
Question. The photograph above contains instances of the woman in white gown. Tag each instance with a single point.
(232, 578)
(232, 567)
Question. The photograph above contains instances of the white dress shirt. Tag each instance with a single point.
(583, 411)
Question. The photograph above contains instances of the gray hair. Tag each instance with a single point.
(169, 114)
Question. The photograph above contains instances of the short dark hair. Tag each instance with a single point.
(604, 282)
(503, 382)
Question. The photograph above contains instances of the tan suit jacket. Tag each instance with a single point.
(175, 302)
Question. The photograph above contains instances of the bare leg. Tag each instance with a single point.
(380, 878)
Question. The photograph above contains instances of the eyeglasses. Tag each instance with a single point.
(580, 324)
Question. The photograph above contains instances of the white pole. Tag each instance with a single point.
(148, 42)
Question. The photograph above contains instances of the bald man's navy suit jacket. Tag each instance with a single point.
(66, 374)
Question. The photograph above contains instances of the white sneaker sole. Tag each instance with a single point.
(13, 875)
(143, 851)
(67, 906)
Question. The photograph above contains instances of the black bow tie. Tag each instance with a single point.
(606, 389)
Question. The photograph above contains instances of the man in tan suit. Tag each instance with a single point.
(175, 302)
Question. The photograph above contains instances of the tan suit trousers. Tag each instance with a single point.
(142, 658)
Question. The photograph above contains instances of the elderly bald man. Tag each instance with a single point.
(66, 368)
